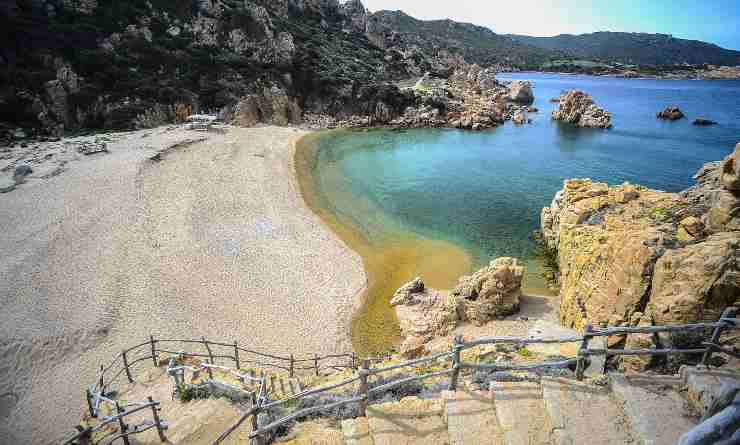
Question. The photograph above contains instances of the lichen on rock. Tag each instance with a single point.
(629, 255)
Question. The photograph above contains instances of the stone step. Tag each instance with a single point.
(521, 413)
(357, 432)
(471, 418)
(411, 421)
(654, 407)
(580, 409)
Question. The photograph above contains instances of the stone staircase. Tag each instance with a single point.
(553, 411)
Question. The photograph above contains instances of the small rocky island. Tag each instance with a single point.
(578, 108)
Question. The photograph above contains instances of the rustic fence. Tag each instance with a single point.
(726, 321)
(124, 366)
(260, 402)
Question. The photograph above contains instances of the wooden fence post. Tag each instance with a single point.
(456, 348)
(85, 436)
(157, 422)
(210, 357)
(257, 404)
(122, 424)
(125, 366)
(292, 365)
(730, 312)
(316, 363)
(154, 351)
(236, 355)
(583, 351)
(354, 360)
(101, 382)
(88, 396)
(364, 372)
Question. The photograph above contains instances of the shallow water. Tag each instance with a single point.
(439, 203)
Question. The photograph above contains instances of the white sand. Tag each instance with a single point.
(214, 240)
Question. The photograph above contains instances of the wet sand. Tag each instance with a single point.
(391, 261)
(212, 240)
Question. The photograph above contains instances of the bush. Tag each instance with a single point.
(155, 117)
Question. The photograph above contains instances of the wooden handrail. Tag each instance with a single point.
(728, 321)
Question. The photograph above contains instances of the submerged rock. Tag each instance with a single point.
(670, 113)
(703, 122)
(579, 109)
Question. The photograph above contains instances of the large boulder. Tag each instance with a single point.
(487, 79)
(670, 113)
(579, 109)
(493, 291)
(697, 282)
(424, 313)
(271, 105)
(731, 171)
(520, 91)
(627, 250)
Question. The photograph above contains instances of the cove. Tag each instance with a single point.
(442, 203)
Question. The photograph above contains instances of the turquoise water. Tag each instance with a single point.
(483, 192)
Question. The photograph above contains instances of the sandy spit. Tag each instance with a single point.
(212, 240)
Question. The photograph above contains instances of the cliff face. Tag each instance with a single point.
(630, 255)
(70, 64)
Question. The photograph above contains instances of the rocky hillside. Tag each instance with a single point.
(628, 255)
(635, 48)
(410, 38)
(70, 64)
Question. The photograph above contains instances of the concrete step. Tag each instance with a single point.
(579, 410)
(411, 421)
(471, 418)
(521, 413)
(653, 406)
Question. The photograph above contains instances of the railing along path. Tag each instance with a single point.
(260, 402)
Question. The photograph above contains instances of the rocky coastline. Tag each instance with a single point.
(629, 256)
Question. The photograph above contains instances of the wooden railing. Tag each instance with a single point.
(726, 321)
(261, 403)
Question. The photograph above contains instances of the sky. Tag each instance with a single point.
(715, 21)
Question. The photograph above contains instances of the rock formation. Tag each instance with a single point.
(701, 122)
(670, 113)
(521, 92)
(491, 292)
(579, 109)
(630, 255)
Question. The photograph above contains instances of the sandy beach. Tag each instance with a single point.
(212, 240)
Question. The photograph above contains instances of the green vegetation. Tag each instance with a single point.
(635, 48)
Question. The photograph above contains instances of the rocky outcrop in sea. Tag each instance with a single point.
(629, 255)
(579, 109)
(671, 114)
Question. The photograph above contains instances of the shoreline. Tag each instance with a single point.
(388, 263)
(210, 239)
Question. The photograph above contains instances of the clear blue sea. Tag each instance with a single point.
(484, 191)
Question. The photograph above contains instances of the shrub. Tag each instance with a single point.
(155, 117)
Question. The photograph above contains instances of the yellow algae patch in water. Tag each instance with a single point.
(391, 255)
